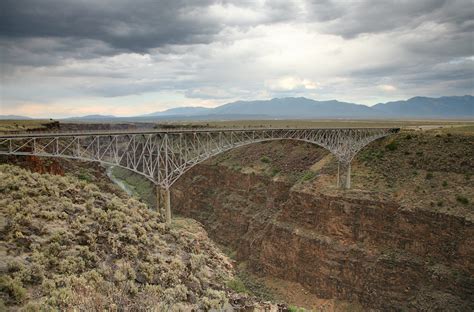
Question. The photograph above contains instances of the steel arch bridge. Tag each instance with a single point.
(163, 156)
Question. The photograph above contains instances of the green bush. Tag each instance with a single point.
(237, 285)
(13, 288)
(429, 176)
(308, 175)
(265, 159)
(296, 309)
(463, 200)
(445, 183)
(236, 167)
(84, 177)
(392, 146)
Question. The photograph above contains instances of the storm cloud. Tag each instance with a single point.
(62, 57)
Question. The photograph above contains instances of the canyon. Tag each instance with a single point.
(367, 251)
(400, 240)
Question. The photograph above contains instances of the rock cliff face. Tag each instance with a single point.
(338, 246)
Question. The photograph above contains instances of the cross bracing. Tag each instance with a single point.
(163, 156)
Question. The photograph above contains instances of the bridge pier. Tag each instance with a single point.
(163, 156)
(343, 175)
(348, 176)
(163, 202)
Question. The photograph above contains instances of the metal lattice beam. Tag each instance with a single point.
(163, 156)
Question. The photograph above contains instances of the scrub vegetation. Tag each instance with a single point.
(67, 244)
(27, 125)
(427, 170)
(143, 188)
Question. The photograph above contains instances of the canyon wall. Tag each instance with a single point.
(337, 246)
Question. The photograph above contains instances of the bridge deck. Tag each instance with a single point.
(163, 155)
(173, 131)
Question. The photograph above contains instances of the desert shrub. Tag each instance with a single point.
(237, 285)
(236, 167)
(371, 155)
(295, 309)
(462, 199)
(83, 249)
(265, 159)
(445, 183)
(392, 146)
(197, 261)
(85, 176)
(34, 275)
(274, 172)
(308, 175)
(13, 288)
(429, 176)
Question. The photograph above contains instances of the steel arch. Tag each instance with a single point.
(164, 156)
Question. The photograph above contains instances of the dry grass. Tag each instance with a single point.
(66, 244)
(429, 169)
(421, 170)
(324, 123)
(23, 125)
(284, 160)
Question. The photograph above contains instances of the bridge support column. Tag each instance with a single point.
(344, 175)
(163, 202)
(348, 176)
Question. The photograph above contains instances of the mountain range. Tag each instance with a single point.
(304, 108)
(291, 107)
(13, 117)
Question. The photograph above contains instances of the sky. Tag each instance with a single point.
(64, 58)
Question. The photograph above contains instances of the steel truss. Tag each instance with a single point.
(163, 156)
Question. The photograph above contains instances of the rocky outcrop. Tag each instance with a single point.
(36, 164)
(338, 246)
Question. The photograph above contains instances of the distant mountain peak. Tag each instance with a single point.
(185, 110)
(13, 117)
(98, 116)
(301, 107)
(426, 107)
(304, 108)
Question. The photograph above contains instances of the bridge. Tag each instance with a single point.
(162, 156)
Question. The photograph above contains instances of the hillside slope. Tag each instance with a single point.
(400, 239)
(425, 107)
(304, 108)
(296, 107)
(66, 244)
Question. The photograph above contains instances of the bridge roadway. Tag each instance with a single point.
(162, 156)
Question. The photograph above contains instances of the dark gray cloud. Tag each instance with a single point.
(87, 28)
(353, 18)
(223, 50)
(130, 25)
(50, 51)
